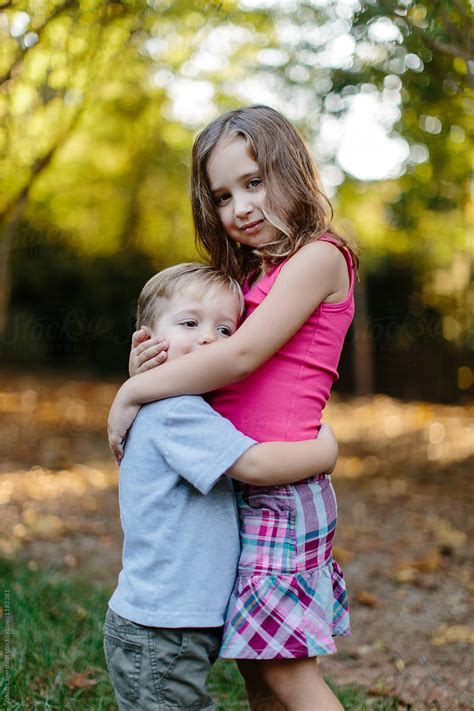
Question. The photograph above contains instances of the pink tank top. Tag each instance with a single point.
(284, 398)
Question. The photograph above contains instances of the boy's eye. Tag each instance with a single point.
(225, 330)
(190, 323)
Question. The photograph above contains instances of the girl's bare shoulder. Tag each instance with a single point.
(320, 269)
(319, 255)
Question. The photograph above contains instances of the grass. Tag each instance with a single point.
(52, 648)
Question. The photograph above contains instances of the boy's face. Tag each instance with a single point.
(192, 319)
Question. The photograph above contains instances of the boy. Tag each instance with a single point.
(181, 538)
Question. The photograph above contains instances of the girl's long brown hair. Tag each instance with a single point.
(295, 203)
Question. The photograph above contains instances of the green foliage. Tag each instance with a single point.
(430, 60)
(55, 631)
(89, 137)
(418, 56)
(427, 213)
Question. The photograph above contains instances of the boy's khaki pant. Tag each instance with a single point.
(155, 668)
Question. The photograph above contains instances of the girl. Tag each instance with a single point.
(261, 216)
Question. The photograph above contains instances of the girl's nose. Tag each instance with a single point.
(243, 207)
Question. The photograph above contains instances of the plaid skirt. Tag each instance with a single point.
(289, 598)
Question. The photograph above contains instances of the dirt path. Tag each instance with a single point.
(404, 486)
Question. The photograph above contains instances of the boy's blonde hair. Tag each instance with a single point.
(164, 285)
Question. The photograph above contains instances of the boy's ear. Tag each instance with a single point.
(147, 331)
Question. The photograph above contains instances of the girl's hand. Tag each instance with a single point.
(121, 417)
(327, 434)
(146, 352)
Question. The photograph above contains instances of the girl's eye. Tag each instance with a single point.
(221, 199)
(255, 183)
(225, 330)
(189, 324)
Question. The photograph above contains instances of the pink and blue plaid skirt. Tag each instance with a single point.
(289, 599)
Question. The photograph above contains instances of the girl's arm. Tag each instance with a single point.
(146, 352)
(276, 463)
(317, 272)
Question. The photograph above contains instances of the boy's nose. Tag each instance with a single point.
(207, 338)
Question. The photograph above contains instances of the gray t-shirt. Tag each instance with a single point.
(178, 513)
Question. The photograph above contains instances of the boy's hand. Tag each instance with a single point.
(121, 417)
(146, 352)
(326, 434)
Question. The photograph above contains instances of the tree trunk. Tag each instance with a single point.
(6, 244)
(363, 357)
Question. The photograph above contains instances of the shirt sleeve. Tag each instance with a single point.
(198, 443)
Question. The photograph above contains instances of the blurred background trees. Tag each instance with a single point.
(99, 105)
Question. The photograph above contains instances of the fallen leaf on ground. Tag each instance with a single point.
(380, 691)
(367, 599)
(404, 575)
(399, 665)
(455, 633)
(364, 649)
(445, 533)
(405, 572)
(80, 680)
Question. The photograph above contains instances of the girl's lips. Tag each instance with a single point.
(252, 227)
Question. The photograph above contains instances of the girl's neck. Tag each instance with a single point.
(258, 274)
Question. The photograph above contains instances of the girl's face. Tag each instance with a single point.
(239, 193)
